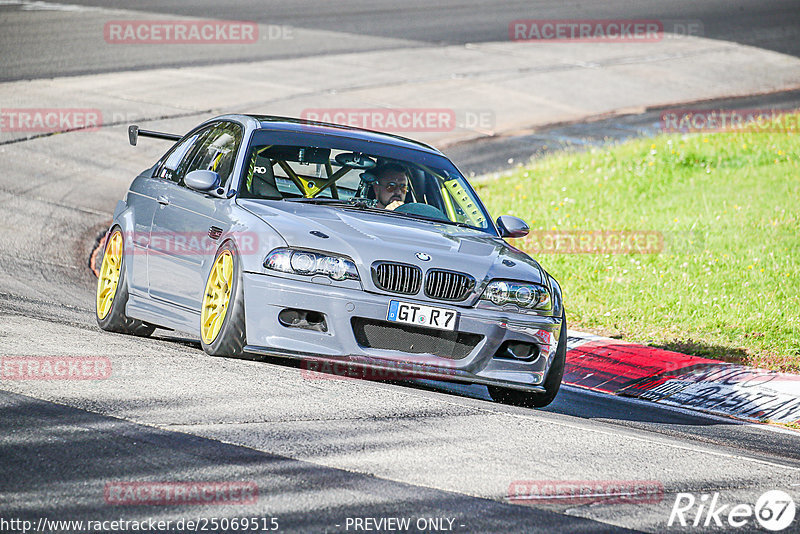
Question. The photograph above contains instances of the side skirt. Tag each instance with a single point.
(163, 314)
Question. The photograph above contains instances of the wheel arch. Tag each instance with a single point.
(123, 218)
(558, 301)
(254, 239)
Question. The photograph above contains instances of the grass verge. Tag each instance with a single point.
(722, 279)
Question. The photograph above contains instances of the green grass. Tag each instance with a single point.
(726, 283)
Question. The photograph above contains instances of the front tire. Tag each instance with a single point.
(551, 384)
(222, 321)
(112, 291)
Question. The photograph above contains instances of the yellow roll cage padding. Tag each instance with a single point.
(448, 203)
(216, 161)
(459, 194)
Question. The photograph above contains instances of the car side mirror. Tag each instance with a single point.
(511, 226)
(203, 181)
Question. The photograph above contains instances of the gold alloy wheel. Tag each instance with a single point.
(217, 297)
(109, 275)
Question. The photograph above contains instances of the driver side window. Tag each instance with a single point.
(216, 151)
(171, 168)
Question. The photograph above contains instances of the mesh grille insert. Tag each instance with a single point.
(375, 334)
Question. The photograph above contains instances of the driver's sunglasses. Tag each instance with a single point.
(391, 187)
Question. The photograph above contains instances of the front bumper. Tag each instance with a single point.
(266, 296)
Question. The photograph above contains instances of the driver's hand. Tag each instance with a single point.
(394, 205)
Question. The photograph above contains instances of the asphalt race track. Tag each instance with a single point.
(321, 451)
(41, 45)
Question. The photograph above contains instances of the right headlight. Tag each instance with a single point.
(308, 263)
(524, 295)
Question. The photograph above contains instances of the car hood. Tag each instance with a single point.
(367, 237)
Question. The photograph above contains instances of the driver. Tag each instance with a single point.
(391, 187)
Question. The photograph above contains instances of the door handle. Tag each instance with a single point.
(164, 201)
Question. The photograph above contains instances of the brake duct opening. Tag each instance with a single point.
(305, 319)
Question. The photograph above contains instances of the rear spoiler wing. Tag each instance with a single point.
(134, 132)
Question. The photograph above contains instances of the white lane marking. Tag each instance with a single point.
(615, 434)
(32, 5)
(582, 496)
(467, 390)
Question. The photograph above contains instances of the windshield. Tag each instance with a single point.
(358, 180)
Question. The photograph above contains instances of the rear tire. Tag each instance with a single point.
(112, 284)
(551, 384)
(228, 338)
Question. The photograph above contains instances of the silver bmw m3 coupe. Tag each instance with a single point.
(282, 237)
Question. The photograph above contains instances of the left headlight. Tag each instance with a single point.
(529, 296)
(308, 263)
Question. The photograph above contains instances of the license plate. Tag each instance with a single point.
(404, 312)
